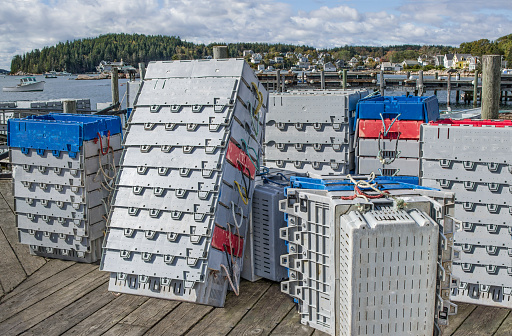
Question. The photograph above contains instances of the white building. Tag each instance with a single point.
(256, 58)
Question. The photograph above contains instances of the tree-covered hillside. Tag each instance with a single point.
(84, 55)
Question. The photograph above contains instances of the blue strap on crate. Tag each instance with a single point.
(59, 132)
(405, 107)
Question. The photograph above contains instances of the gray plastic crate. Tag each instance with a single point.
(389, 148)
(464, 142)
(320, 222)
(486, 254)
(331, 167)
(399, 167)
(266, 222)
(93, 255)
(479, 192)
(301, 152)
(466, 171)
(474, 293)
(484, 234)
(483, 213)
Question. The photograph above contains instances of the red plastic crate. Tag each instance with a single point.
(373, 129)
(472, 122)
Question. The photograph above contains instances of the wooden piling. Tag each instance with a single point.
(322, 80)
(220, 52)
(278, 78)
(283, 83)
(448, 91)
(142, 70)
(491, 86)
(382, 82)
(436, 75)
(475, 89)
(457, 96)
(69, 106)
(115, 86)
(419, 83)
(344, 79)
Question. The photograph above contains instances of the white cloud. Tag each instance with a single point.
(29, 24)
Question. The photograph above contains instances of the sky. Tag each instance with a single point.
(29, 24)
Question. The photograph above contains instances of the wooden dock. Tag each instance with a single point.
(51, 297)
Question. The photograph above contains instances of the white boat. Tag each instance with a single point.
(26, 84)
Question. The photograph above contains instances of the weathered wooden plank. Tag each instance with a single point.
(222, 321)
(77, 311)
(43, 309)
(266, 314)
(291, 326)
(12, 273)
(144, 317)
(483, 321)
(505, 328)
(29, 262)
(108, 316)
(49, 269)
(180, 319)
(6, 193)
(36, 293)
(463, 311)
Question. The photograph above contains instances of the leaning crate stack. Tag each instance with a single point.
(473, 159)
(388, 133)
(309, 130)
(369, 257)
(63, 166)
(179, 214)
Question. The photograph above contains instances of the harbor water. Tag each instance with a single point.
(98, 91)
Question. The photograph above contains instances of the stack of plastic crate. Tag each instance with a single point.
(368, 256)
(179, 214)
(63, 166)
(388, 133)
(473, 158)
(309, 130)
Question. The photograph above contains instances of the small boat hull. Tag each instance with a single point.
(39, 86)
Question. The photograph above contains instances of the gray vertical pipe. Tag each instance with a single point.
(491, 86)
(382, 82)
(344, 79)
(322, 80)
(142, 70)
(278, 84)
(475, 89)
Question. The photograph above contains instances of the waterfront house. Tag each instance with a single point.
(459, 60)
(439, 60)
(247, 53)
(256, 58)
(353, 62)
(387, 66)
(472, 62)
(278, 59)
(448, 61)
(329, 67)
(410, 63)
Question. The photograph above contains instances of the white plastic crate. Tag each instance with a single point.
(328, 255)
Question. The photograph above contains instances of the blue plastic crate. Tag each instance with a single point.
(58, 132)
(383, 183)
(389, 107)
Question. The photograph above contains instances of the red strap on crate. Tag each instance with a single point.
(476, 123)
(238, 158)
(221, 238)
(372, 129)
